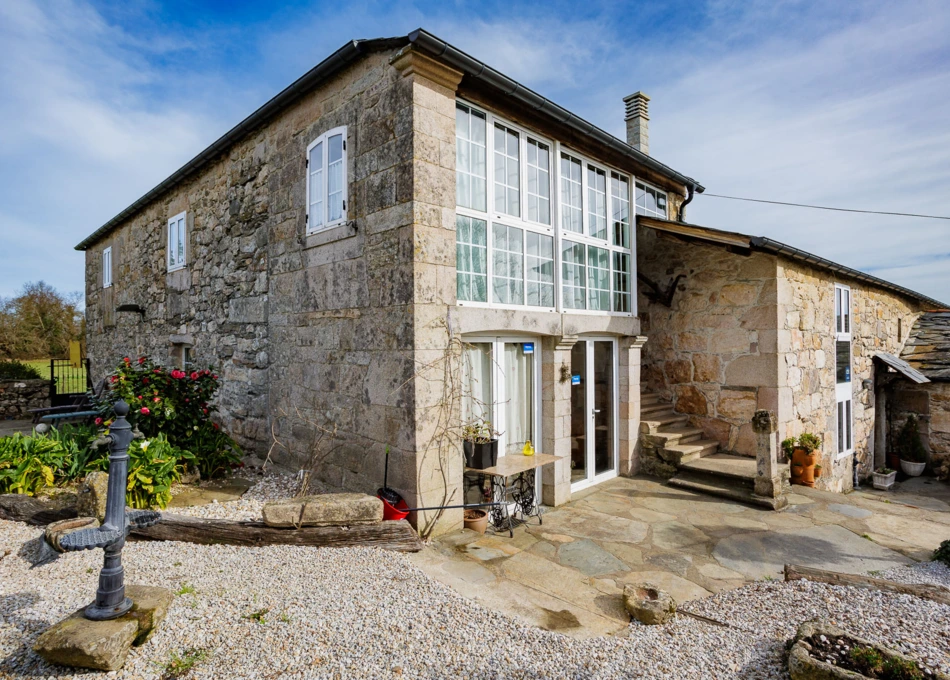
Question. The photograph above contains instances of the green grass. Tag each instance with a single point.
(257, 616)
(75, 379)
(186, 589)
(179, 665)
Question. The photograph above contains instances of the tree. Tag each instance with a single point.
(39, 322)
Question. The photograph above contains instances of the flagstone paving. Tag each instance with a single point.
(568, 573)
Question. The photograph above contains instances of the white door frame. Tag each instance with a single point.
(589, 439)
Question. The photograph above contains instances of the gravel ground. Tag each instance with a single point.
(268, 486)
(367, 613)
(936, 573)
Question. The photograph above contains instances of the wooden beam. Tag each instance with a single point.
(925, 590)
(717, 236)
(399, 536)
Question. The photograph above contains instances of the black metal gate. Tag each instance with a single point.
(68, 383)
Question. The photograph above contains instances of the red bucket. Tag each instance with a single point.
(399, 511)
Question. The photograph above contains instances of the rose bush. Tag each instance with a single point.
(176, 404)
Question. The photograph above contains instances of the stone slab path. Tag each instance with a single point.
(568, 574)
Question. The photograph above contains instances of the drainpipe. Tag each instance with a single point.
(690, 188)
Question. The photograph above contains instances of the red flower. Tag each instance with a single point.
(112, 378)
(215, 426)
(156, 399)
(194, 375)
(127, 360)
(215, 377)
(98, 421)
(141, 360)
(187, 400)
(205, 411)
(139, 397)
(156, 370)
(145, 381)
(144, 411)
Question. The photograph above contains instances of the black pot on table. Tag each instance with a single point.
(480, 456)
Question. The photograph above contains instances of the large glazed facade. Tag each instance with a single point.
(350, 254)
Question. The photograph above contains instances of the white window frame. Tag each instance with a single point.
(594, 479)
(555, 229)
(665, 215)
(844, 392)
(182, 237)
(325, 151)
(107, 267)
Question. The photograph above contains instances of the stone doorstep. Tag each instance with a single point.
(724, 488)
(104, 645)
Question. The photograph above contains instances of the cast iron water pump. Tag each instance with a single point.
(111, 601)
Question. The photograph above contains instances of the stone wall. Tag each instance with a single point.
(930, 402)
(17, 397)
(807, 360)
(713, 352)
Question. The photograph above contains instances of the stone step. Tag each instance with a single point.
(650, 409)
(684, 453)
(655, 422)
(724, 488)
(726, 465)
(649, 398)
(676, 435)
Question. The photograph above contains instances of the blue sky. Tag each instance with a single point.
(842, 104)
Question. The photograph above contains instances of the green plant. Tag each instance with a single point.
(942, 553)
(866, 660)
(809, 442)
(154, 465)
(180, 665)
(16, 370)
(909, 445)
(788, 447)
(896, 668)
(29, 464)
(884, 471)
(176, 404)
(257, 616)
(186, 589)
(479, 432)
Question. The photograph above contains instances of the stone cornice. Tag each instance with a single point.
(409, 62)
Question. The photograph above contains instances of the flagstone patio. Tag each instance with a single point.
(568, 574)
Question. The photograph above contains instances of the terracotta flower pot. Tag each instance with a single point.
(817, 472)
(476, 520)
(806, 462)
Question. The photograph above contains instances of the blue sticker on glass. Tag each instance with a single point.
(575, 380)
(528, 347)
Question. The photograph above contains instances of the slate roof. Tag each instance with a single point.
(928, 346)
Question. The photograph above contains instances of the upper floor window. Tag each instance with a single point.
(651, 201)
(107, 267)
(507, 171)
(842, 312)
(471, 172)
(326, 180)
(620, 195)
(539, 182)
(572, 217)
(177, 238)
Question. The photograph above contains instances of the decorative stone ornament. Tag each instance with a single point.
(648, 604)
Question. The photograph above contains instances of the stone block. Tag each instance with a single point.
(738, 294)
(92, 493)
(738, 405)
(648, 604)
(334, 509)
(678, 371)
(706, 368)
(752, 371)
(149, 606)
(689, 399)
(731, 341)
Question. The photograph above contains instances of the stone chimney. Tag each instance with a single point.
(638, 121)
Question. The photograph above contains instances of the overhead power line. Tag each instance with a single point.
(825, 207)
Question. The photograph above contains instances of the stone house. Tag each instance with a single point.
(738, 323)
(927, 351)
(402, 240)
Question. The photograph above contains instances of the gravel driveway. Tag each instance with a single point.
(288, 612)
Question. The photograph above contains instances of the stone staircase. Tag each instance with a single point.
(675, 449)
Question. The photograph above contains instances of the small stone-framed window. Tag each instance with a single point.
(182, 356)
(107, 267)
(326, 180)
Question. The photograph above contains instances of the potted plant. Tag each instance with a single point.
(883, 478)
(480, 444)
(912, 452)
(804, 458)
(788, 447)
(476, 519)
(817, 471)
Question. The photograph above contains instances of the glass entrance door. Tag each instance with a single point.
(593, 412)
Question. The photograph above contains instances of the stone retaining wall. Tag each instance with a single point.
(931, 403)
(714, 351)
(17, 397)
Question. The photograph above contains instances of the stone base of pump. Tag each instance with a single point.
(104, 645)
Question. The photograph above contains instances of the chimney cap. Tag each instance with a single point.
(637, 105)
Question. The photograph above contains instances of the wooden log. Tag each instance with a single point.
(399, 536)
(925, 590)
(37, 511)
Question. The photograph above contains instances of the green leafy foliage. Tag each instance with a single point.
(896, 668)
(788, 447)
(154, 465)
(942, 553)
(177, 405)
(30, 464)
(17, 370)
(809, 442)
(909, 445)
(866, 660)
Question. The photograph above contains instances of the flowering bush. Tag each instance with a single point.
(176, 404)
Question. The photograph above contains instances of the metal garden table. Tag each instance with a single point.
(513, 481)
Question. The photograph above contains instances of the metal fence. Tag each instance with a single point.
(68, 381)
